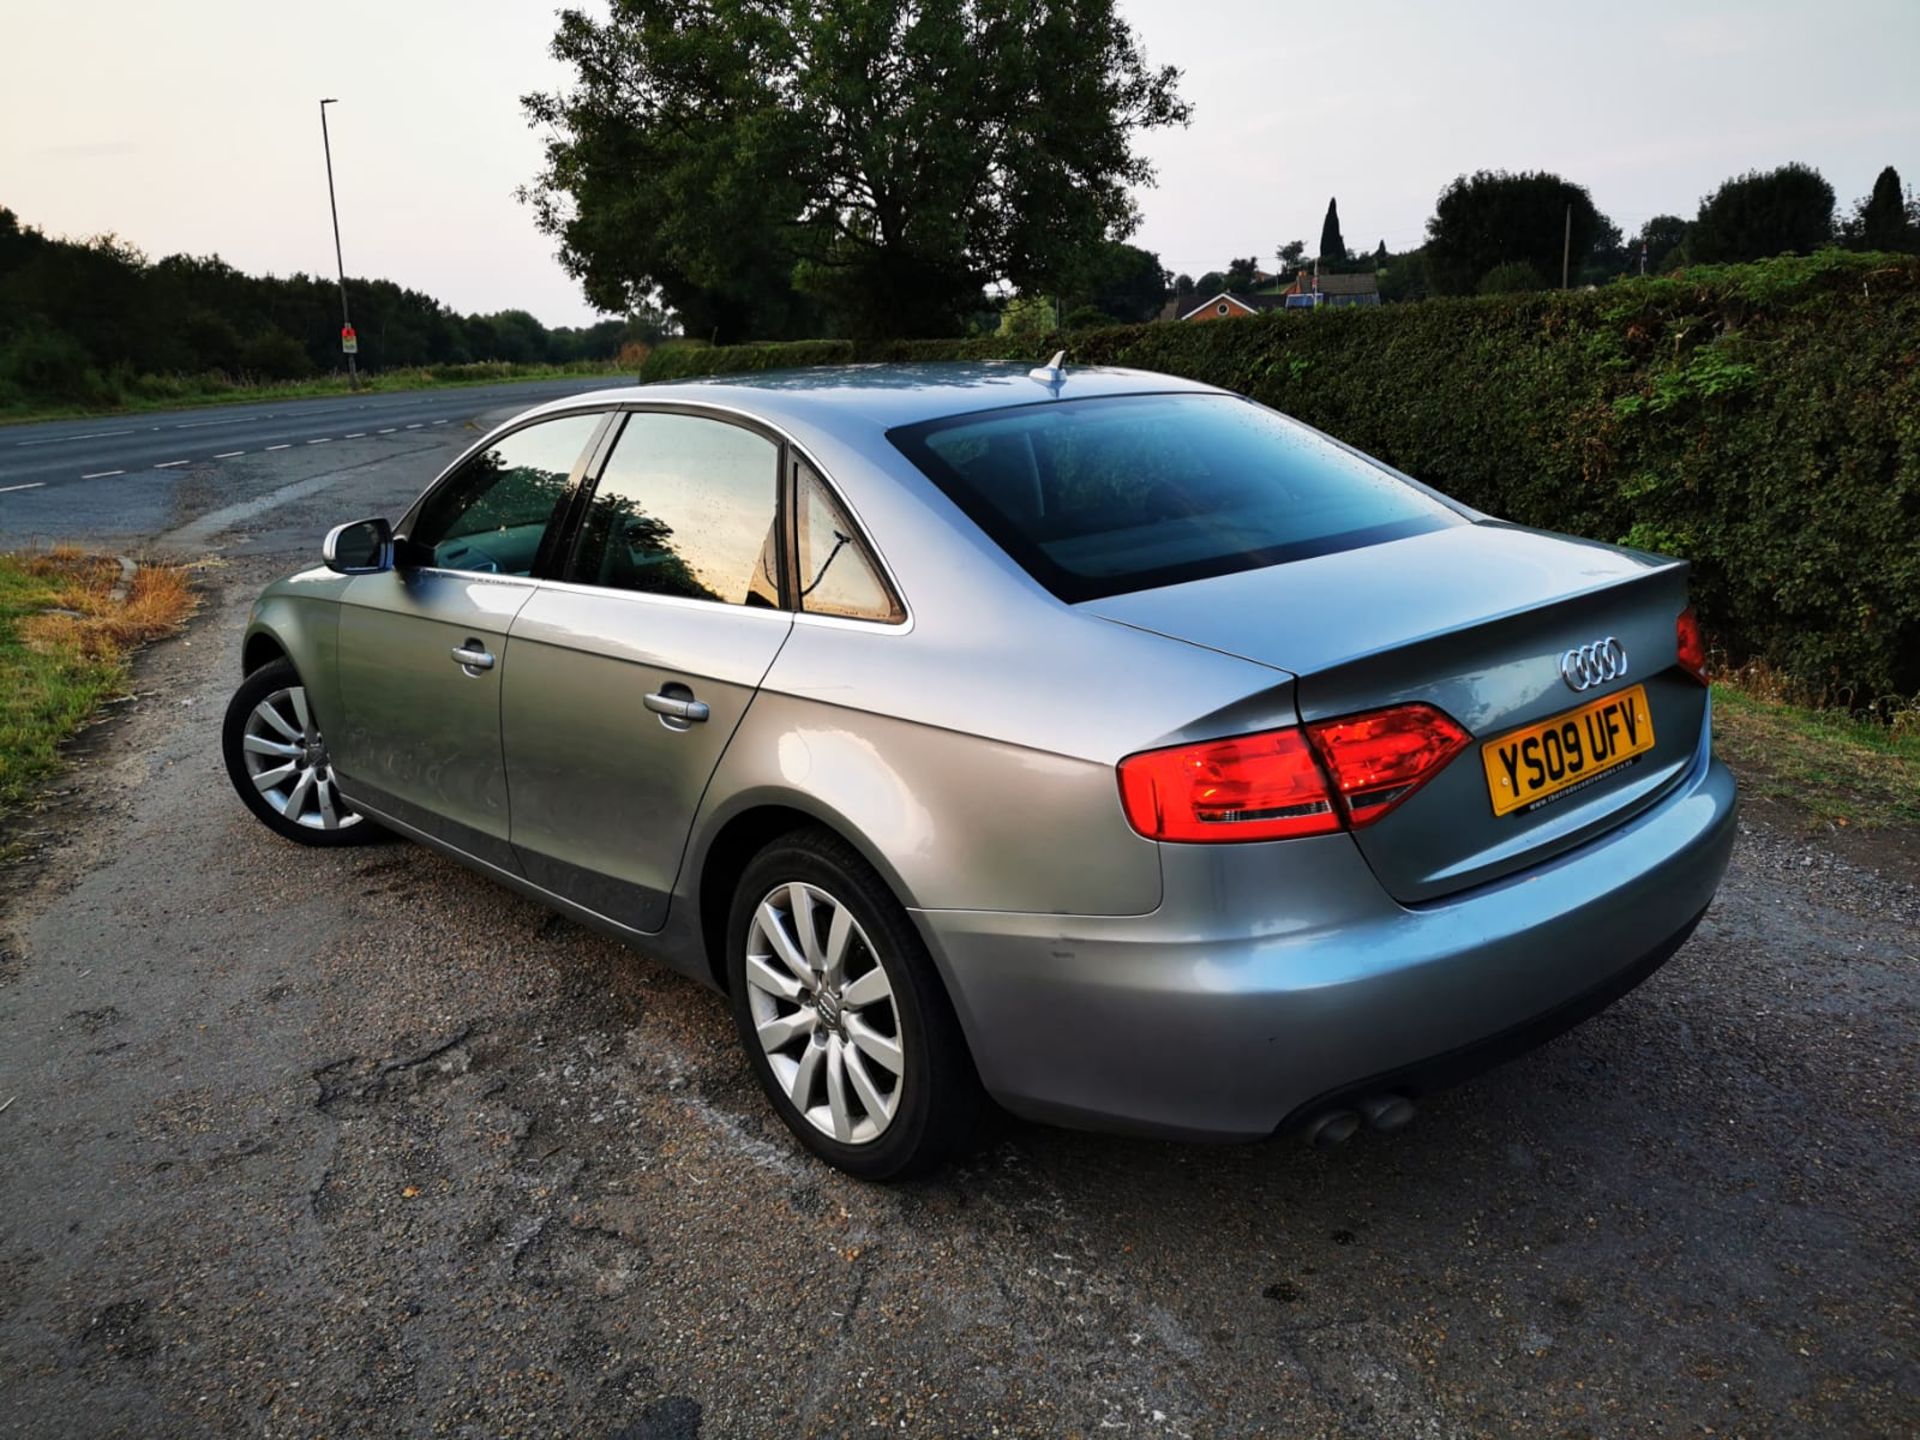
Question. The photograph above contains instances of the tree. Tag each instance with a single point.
(1210, 284)
(882, 160)
(1661, 240)
(1491, 217)
(1513, 277)
(1029, 316)
(1405, 277)
(1885, 219)
(1118, 280)
(1759, 214)
(1332, 248)
(1291, 254)
(1240, 272)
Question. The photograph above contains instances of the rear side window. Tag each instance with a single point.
(837, 575)
(686, 506)
(1128, 492)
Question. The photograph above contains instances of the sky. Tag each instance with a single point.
(196, 127)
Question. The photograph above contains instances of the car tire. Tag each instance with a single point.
(269, 730)
(872, 1121)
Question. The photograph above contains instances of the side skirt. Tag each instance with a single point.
(679, 953)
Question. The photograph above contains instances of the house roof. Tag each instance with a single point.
(1253, 304)
(1363, 284)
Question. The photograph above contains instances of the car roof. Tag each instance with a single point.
(838, 397)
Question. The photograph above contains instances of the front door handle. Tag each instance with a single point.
(677, 707)
(473, 657)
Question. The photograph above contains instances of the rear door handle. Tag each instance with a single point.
(472, 657)
(676, 707)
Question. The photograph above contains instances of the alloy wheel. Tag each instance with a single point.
(824, 1012)
(287, 761)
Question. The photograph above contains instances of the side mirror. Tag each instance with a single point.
(364, 547)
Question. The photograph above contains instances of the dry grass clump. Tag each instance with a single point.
(92, 617)
(69, 622)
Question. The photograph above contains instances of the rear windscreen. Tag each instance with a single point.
(1127, 492)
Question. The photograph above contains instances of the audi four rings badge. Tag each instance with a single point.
(1594, 664)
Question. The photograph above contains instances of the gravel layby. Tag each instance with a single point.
(354, 1143)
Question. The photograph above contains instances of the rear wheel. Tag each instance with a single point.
(278, 762)
(842, 1014)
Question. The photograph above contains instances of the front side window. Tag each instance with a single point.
(1128, 492)
(837, 575)
(686, 506)
(492, 513)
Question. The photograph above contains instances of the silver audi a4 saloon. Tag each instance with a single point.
(1093, 742)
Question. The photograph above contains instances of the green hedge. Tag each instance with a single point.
(1762, 420)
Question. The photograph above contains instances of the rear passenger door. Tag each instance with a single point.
(624, 683)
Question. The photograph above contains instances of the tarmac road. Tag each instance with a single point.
(119, 476)
(355, 1143)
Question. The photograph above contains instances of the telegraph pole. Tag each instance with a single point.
(348, 341)
(1566, 250)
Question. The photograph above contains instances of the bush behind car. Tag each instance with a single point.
(1762, 420)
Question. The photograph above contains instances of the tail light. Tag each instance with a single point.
(1378, 760)
(1691, 645)
(1310, 780)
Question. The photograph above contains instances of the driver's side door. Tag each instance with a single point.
(422, 646)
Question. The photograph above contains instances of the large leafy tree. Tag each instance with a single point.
(1764, 213)
(1660, 240)
(766, 165)
(1122, 282)
(1494, 218)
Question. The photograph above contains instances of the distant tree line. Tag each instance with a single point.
(1497, 232)
(70, 306)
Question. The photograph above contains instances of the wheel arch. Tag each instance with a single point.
(748, 827)
(261, 647)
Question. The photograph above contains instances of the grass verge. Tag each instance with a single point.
(66, 635)
(1839, 770)
(184, 392)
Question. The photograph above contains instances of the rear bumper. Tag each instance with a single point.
(1275, 979)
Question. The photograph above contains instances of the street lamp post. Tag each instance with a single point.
(340, 265)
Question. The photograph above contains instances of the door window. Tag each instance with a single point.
(493, 512)
(837, 575)
(689, 507)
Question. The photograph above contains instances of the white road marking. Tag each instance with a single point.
(102, 474)
(387, 431)
(169, 464)
(323, 440)
(207, 424)
(440, 422)
(9, 489)
(357, 435)
(279, 447)
(229, 454)
(416, 427)
(64, 439)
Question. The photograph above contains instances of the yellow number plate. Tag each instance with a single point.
(1530, 767)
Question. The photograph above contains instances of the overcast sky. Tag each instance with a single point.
(194, 127)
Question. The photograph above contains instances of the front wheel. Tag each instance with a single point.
(278, 762)
(843, 1015)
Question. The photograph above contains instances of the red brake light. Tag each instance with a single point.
(1254, 787)
(1691, 645)
(1379, 759)
(1274, 785)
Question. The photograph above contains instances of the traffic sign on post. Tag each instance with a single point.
(349, 342)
